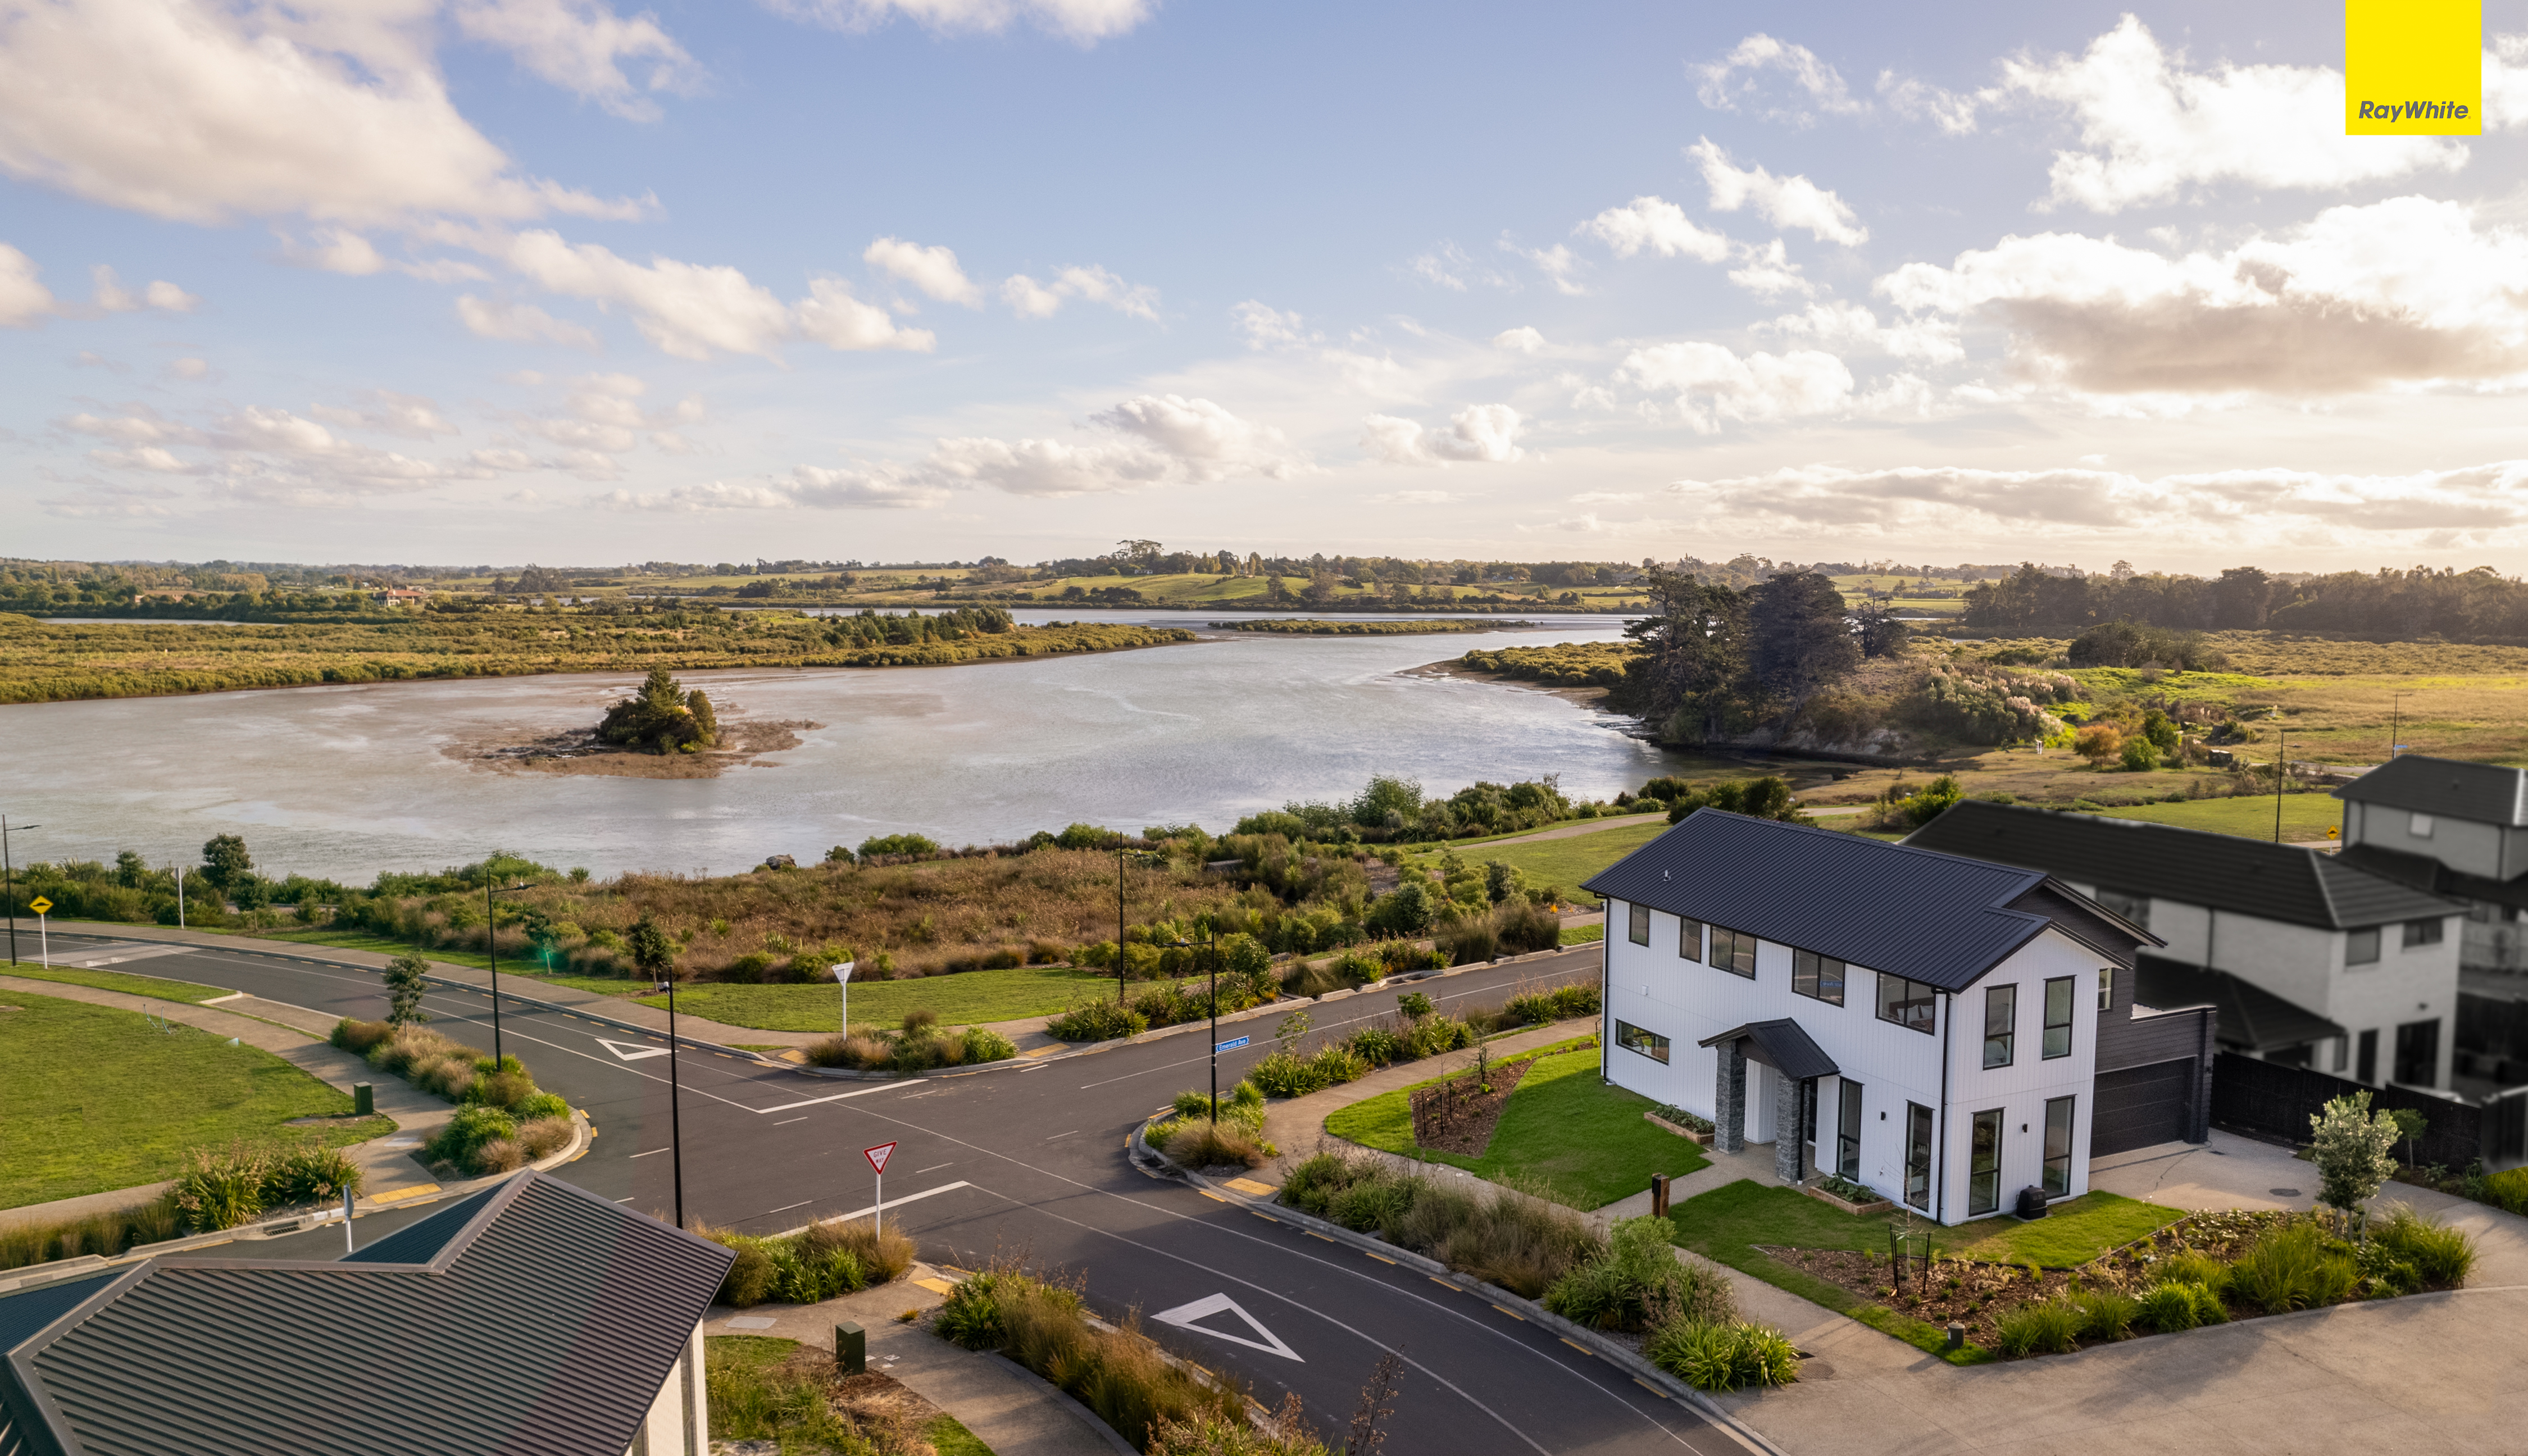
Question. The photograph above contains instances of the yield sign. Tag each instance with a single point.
(1183, 1316)
(878, 1155)
(626, 1052)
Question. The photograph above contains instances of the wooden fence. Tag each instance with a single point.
(2266, 1100)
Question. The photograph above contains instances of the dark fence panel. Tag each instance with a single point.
(2272, 1101)
(2493, 1026)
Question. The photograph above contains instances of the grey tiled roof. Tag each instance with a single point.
(2485, 792)
(1942, 919)
(2247, 1015)
(540, 1319)
(2288, 883)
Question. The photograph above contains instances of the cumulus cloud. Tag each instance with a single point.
(1783, 201)
(2506, 84)
(1953, 112)
(1034, 300)
(1265, 327)
(1486, 432)
(189, 370)
(1451, 267)
(520, 323)
(110, 296)
(2241, 506)
(199, 113)
(2401, 292)
(1556, 263)
(1417, 497)
(932, 270)
(829, 315)
(581, 46)
(2152, 131)
(1085, 22)
(1655, 225)
(24, 301)
(1769, 271)
(1524, 340)
(1149, 440)
(412, 416)
(1711, 383)
(1777, 81)
(693, 310)
(808, 488)
(1850, 327)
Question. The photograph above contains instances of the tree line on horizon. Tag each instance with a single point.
(2479, 606)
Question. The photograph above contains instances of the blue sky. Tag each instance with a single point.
(540, 279)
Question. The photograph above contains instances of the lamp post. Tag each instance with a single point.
(2281, 766)
(9, 874)
(2396, 722)
(675, 1099)
(492, 948)
(1211, 951)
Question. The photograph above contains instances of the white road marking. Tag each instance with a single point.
(653, 1153)
(874, 1208)
(788, 1106)
(1183, 1316)
(787, 1121)
(623, 1053)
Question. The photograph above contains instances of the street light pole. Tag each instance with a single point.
(492, 948)
(9, 874)
(2396, 722)
(1211, 948)
(1121, 963)
(675, 1100)
(2281, 766)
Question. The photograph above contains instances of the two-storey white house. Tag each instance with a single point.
(1917, 1022)
(2312, 962)
(2450, 828)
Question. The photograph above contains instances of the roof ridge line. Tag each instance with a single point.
(1841, 835)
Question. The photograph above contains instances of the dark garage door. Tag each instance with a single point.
(2139, 1105)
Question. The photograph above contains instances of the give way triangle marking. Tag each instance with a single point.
(1183, 1316)
(626, 1052)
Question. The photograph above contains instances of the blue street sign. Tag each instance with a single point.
(1229, 1046)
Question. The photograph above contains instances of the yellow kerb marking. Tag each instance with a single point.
(400, 1194)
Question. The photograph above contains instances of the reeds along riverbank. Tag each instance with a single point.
(44, 662)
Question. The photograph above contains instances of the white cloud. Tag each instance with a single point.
(2506, 84)
(2405, 291)
(2151, 132)
(1769, 271)
(189, 369)
(808, 487)
(1556, 263)
(1737, 81)
(1158, 440)
(1451, 267)
(342, 250)
(1658, 226)
(163, 295)
(1784, 202)
(24, 301)
(1846, 328)
(580, 46)
(932, 270)
(1417, 497)
(1486, 432)
(1265, 325)
(411, 416)
(1953, 112)
(110, 296)
(156, 459)
(1711, 384)
(1524, 340)
(2239, 506)
(1033, 300)
(702, 497)
(520, 323)
(692, 310)
(832, 317)
(1084, 21)
(822, 488)
(190, 111)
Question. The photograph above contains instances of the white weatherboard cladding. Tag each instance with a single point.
(2470, 845)
(2021, 1089)
(1652, 987)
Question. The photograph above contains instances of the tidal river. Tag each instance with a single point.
(348, 780)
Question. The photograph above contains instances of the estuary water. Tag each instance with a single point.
(347, 781)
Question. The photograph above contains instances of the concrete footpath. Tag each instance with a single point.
(1009, 1409)
(296, 1035)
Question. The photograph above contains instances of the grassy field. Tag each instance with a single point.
(1566, 861)
(115, 980)
(2305, 816)
(1728, 1223)
(970, 998)
(1583, 935)
(97, 1098)
(1563, 1129)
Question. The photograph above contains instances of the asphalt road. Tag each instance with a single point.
(1028, 1162)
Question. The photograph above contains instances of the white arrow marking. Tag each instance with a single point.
(1183, 1316)
(625, 1052)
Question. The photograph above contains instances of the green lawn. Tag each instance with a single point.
(946, 1434)
(1562, 1128)
(967, 999)
(93, 1099)
(1584, 935)
(1728, 1223)
(2305, 816)
(115, 980)
(1568, 861)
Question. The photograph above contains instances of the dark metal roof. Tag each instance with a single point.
(1781, 1045)
(2246, 1015)
(2485, 792)
(543, 1322)
(420, 1243)
(2288, 883)
(1942, 919)
(2423, 872)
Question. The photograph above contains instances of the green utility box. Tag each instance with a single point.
(364, 1099)
(850, 1348)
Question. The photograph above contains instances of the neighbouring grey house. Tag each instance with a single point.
(1924, 1025)
(2454, 829)
(532, 1317)
(2309, 961)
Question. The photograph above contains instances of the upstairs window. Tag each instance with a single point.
(1689, 939)
(2361, 947)
(1821, 976)
(2058, 1016)
(2106, 988)
(2000, 1025)
(1908, 1003)
(1733, 950)
(1638, 927)
(2419, 825)
(2424, 932)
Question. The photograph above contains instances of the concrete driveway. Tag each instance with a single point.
(2437, 1373)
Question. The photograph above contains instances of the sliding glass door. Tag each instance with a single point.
(1983, 1165)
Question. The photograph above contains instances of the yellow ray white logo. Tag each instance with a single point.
(2413, 68)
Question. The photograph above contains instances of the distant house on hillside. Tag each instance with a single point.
(532, 1317)
(1924, 1025)
(2311, 961)
(2454, 829)
(402, 597)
